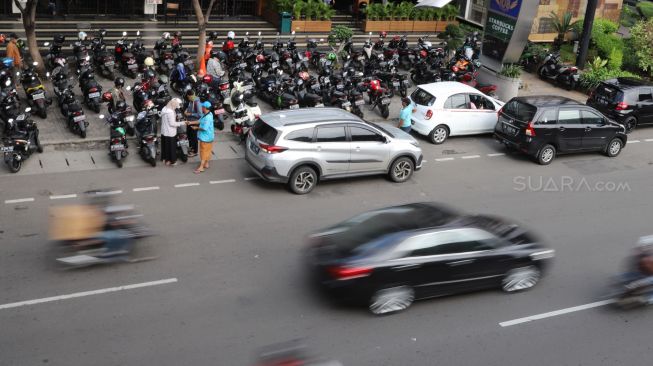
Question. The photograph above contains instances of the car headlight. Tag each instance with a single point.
(415, 143)
(544, 254)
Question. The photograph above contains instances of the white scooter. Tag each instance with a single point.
(245, 114)
(240, 87)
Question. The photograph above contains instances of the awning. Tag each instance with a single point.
(432, 3)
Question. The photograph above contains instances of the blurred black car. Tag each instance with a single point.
(390, 257)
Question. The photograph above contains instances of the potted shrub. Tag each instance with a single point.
(508, 80)
(448, 15)
(401, 15)
(375, 21)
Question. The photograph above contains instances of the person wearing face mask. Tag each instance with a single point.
(169, 124)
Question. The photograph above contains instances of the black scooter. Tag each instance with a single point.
(22, 139)
(553, 69)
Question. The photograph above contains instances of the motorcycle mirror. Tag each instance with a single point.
(28, 109)
(259, 33)
(47, 74)
(124, 34)
(46, 44)
(293, 33)
(138, 33)
(247, 33)
(88, 58)
(129, 88)
(370, 34)
(8, 83)
(101, 116)
(11, 120)
(35, 63)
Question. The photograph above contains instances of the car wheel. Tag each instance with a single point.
(614, 147)
(522, 278)
(439, 134)
(546, 155)
(401, 170)
(630, 123)
(302, 180)
(391, 300)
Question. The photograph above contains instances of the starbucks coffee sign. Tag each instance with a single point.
(507, 27)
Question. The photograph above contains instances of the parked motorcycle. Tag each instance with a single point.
(73, 111)
(20, 141)
(146, 131)
(37, 98)
(91, 89)
(126, 59)
(379, 97)
(553, 69)
(9, 104)
(102, 59)
(117, 138)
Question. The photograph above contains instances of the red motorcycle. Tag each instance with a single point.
(470, 79)
(379, 96)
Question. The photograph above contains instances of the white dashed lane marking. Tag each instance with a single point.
(649, 140)
(633, 142)
(186, 185)
(471, 157)
(142, 189)
(444, 159)
(19, 200)
(62, 196)
(252, 178)
(496, 154)
(222, 181)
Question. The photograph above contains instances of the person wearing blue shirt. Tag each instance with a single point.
(407, 109)
(205, 135)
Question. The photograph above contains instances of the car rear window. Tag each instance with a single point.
(422, 97)
(264, 132)
(519, 110)
(609, 93)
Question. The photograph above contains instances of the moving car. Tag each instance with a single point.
(544, 126)
(627, 101)
(450, 108)
(390, 257)
(301, 147)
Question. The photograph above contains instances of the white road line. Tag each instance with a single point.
(555, 313)
(19, 200)
(186, 185)
(471, 157)
(444, 159)
(252, 178)
(109, 193)
(425, 161)
(222, 181)
(141, 189)
(633, 142)
(63, 196)
(496, 154)
(86, 293)
(649, 140)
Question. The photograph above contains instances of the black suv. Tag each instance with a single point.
(543, 126)
(627, 101)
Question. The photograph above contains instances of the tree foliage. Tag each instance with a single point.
(562, 25)
(642, 39)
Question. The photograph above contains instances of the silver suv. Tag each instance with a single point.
(301, 147)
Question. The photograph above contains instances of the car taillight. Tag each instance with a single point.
(530, 131)
(77, 113)
(429, 114)
(621, 106)
(116, 141)
(348, 273)
(272, 149)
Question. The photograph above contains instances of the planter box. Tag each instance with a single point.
(507, 88)
(401, 26)
(311, 26)
(442, 24)
(376, 25)
(424, 25)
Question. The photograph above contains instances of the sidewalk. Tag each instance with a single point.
(533, 85)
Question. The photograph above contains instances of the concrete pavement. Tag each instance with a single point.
(235, 249)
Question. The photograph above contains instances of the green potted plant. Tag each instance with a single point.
(508, 80)
(298, 10)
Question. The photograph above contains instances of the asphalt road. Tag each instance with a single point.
(234, 247)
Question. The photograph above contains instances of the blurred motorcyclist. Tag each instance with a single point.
(117, 94)
(214, 65)
(640, 267)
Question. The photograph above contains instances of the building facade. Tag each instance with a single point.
(542, 31)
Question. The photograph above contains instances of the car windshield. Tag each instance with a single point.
(381, 128)
(520, 110)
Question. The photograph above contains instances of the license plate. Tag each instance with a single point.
(340, 86)
(275, 65)
(182, 143)
(169, 62)
(240, 119)
(395, 83)
(294, 106)
(305, 59)
(243, 64)
(132, 66)
(359, 58)
(385, 101)
(509, 129)
(79, 118)
(328, 63)
(320, 105)
(359, 102)
(8, 107)
(247, 87)
(117, 147)
(254, 148)
(346, 104)
(219, 111)
(38, 96)
(94, 95)
(109, 63)
(6, 149)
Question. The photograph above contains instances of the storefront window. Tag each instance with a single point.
(545, 25)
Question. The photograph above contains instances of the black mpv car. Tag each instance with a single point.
(390, 257)
(627, 101)
(544, 126)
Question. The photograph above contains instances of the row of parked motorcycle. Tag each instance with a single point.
(285, 77)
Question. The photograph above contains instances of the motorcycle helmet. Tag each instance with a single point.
(165, 35)
(148, 75)
(383, 34)
(121, 105)
(274, 57)
(228, 46)
(332, 56)
(213, 35)
(102, 32)
(163, 79)
(178, 34)
(214, 53)
(260, 58)
(304, 75)
(423, 54)
(149, 61)
(82, 36)
(396, 38)
(121, 130)
(8, 62)
(106, 96)
(375, 85)
(59, 39)
(119, 82)
(231, 35)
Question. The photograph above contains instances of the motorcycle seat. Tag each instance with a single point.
(338, 94)
(115, 134)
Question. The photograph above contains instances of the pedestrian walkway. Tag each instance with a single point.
(533, 85)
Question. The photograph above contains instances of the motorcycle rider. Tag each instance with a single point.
(176, 39)
(641, 266)
(161, 44)
(228, 44)
(117, 94)
(214, 65)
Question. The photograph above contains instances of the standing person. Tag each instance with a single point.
(193, 112)
(407, 109)
(169, 126)
(205, 135)
(13, 52)
(117, 94)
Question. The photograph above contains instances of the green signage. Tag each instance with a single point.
(499, 26)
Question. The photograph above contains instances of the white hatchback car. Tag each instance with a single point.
(450, 108)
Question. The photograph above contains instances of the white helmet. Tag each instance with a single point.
(149, 61)
(231, 35)
(165, 35)
(82, 36)
(645, 243)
